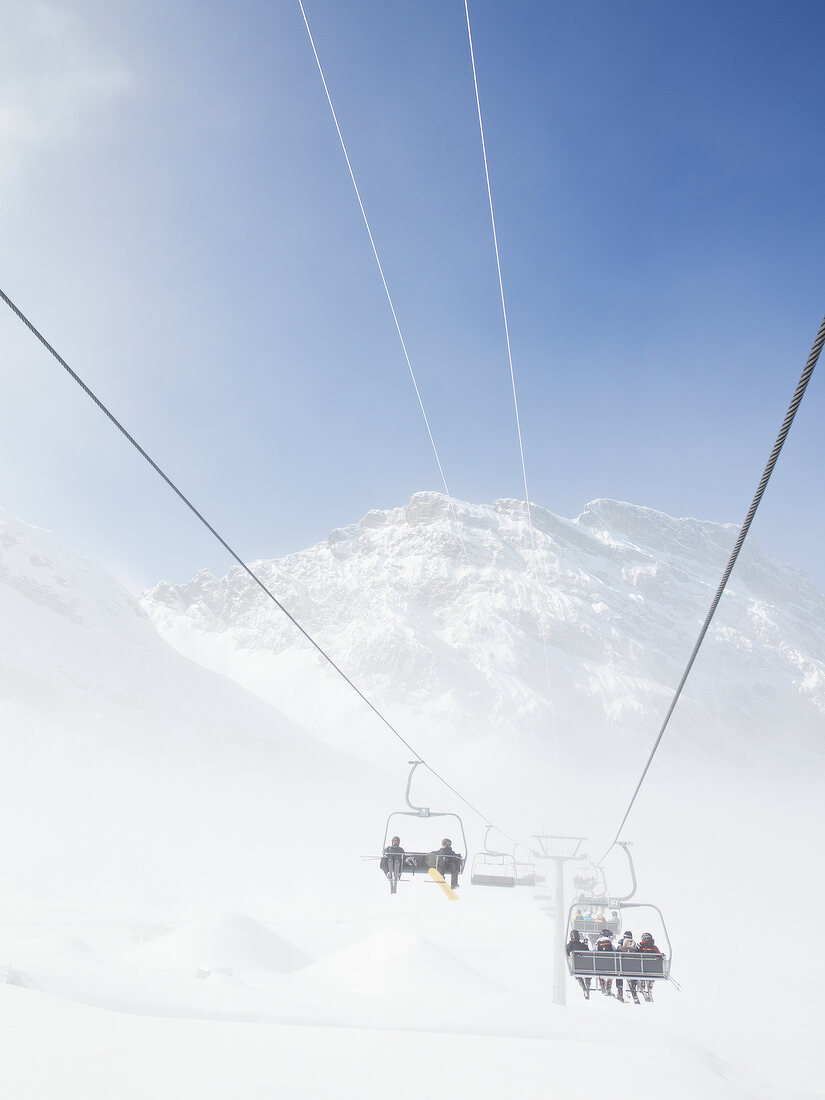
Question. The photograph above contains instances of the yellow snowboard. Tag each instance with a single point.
(436, 876)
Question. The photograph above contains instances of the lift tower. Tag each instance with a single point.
(561, 850)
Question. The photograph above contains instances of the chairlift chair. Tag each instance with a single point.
(622, 964)
(591, 885)
(594, 899)
(417, 863)
(633, 965)
(491, 868)
(524, 869)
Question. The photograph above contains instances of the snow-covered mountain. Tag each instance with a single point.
(444, 625)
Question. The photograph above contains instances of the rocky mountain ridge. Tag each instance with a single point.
(446, 624)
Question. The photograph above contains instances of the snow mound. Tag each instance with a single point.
(10, 976)
(227, 943)
(406, 982)
(394, 960)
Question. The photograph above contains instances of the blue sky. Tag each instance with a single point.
(177, 218)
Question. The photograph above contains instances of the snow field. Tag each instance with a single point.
(141, 1022)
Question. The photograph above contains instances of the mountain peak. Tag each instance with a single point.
(443, 613)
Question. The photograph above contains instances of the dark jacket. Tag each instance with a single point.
(446, 851)
(395, 853)
(576, 945)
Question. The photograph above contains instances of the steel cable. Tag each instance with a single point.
(510, 361)
(384, 283)
(250, 573)
(799, 393)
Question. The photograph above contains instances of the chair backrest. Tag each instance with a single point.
(617, 964)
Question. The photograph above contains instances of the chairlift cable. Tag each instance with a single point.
(384, 282)
(250, 572)
(774, 455)
(404, 346)
(509, 350)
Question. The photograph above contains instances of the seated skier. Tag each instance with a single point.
(629, 944)
(448, 862)
(395, 853)
(647, 947)
(605, 943)
(576, 943)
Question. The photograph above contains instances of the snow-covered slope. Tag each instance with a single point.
(444, 625)
(129, 769)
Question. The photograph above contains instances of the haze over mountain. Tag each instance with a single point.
(137, 774)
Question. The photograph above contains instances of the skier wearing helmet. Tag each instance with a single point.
(605, 943)
(394, 849)
(629, 944)
(447, 861)
(576, 943)
(648, 947)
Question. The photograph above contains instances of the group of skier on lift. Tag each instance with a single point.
(645, 946)
(446, 860)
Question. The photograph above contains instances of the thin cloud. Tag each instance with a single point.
(54, 80)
